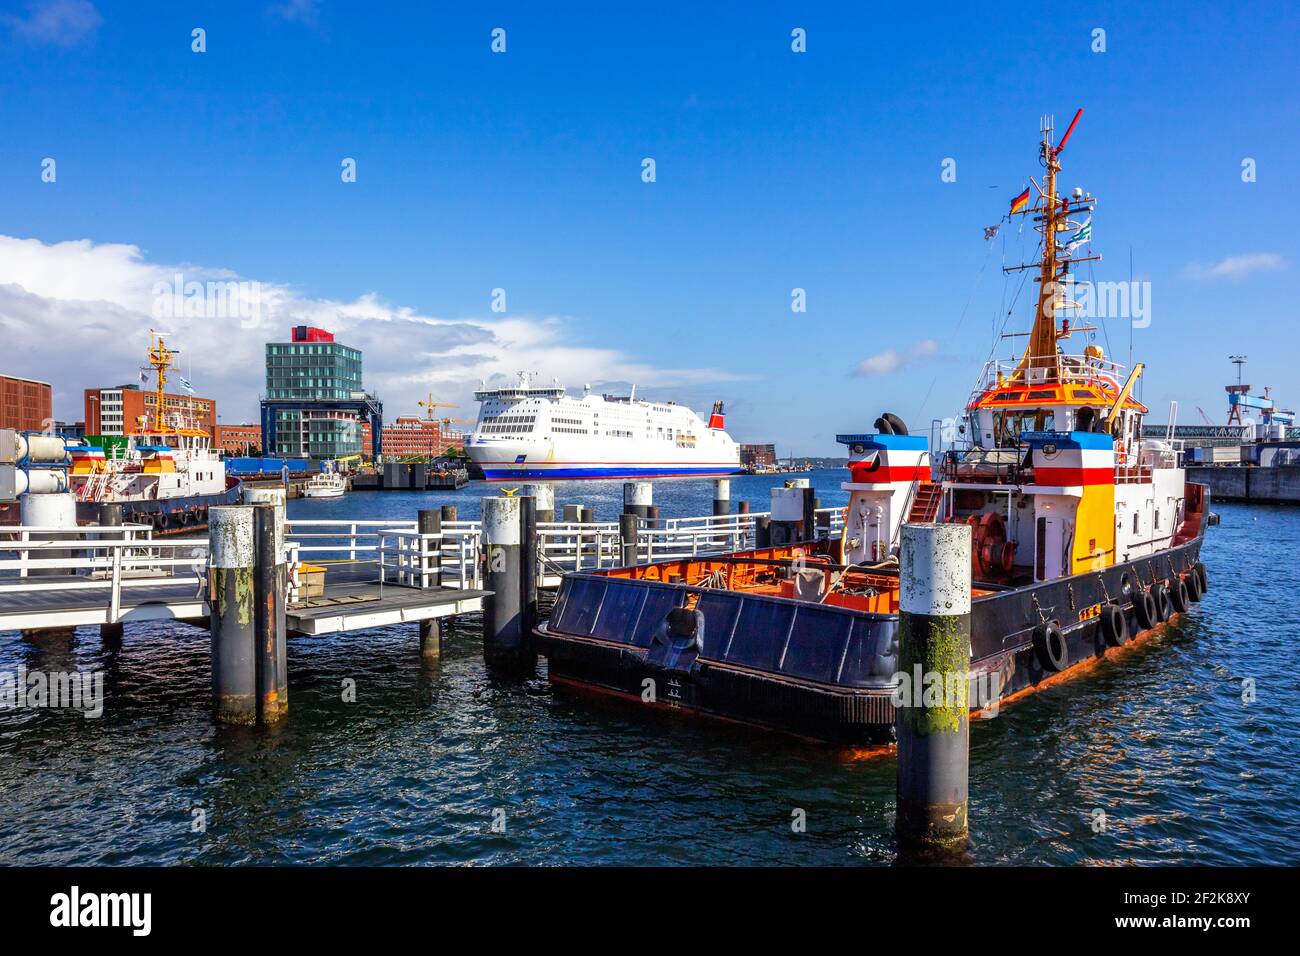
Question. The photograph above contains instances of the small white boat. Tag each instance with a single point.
(327, 484)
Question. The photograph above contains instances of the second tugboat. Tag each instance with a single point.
(1084, 537)
(166, 473)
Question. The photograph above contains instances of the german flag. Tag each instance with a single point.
(1020, 202)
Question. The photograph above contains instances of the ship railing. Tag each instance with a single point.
(1077, 369)
(985, 466)
(42, 559)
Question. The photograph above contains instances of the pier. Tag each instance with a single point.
(337, 575)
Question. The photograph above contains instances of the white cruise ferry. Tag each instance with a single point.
(530, 432)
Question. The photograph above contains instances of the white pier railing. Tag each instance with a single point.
(111, 559)
(453, 557)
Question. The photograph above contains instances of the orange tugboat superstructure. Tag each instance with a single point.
(1084, 535)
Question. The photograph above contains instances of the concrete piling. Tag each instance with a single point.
(277, 498)
(652, 517)
(933, 716)
(544, 495)
(110, 516)
(269, 585)
(530, 561)
(763, 531)
(572, 514)
(53, 510)
(627, 534)
(429, 521)
(721, 497)
(448, 513)
(505, 643)
(742, 507)
(588, 545)
(56, 510)
(638, 496)
(787, 514)
(231, 621)
(823, 520)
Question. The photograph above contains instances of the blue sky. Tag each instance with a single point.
(522, 171)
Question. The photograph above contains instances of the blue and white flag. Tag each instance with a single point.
(185, 384)
(1079, 238)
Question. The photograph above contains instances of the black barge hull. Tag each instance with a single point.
(823, 671)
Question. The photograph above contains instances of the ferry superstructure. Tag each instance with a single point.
(536, 432)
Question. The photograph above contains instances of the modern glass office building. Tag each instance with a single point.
(315, 402)
(312, 369)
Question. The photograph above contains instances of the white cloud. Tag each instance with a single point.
(77, 314)
(303, 11)
(889, 361)
(1236, 267)
(61, 22)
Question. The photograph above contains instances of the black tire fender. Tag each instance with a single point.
(899, 426)
(1114, 625)
(1201, 573)
(1179, 596)
(1193, 582)
(1050, 649)
(1145, 610)
(1164, 605)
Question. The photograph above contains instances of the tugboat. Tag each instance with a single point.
(1085, 536)
(166, 473)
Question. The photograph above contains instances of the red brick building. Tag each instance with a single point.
(410, 436)
(117, 410)
(758, 456)
(239, 441)
(25, 404)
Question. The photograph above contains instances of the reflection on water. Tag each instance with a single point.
(1158, 745)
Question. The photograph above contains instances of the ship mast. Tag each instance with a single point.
(1041, 361)
(160, 359)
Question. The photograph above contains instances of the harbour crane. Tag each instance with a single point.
(428, 404)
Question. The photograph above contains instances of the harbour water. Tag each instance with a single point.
(1155, 758)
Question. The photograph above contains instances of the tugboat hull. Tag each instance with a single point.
(830, 672)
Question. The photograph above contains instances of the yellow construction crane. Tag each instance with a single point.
(428, 404)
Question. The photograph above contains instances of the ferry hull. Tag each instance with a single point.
(819, 671)
(572, 471)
